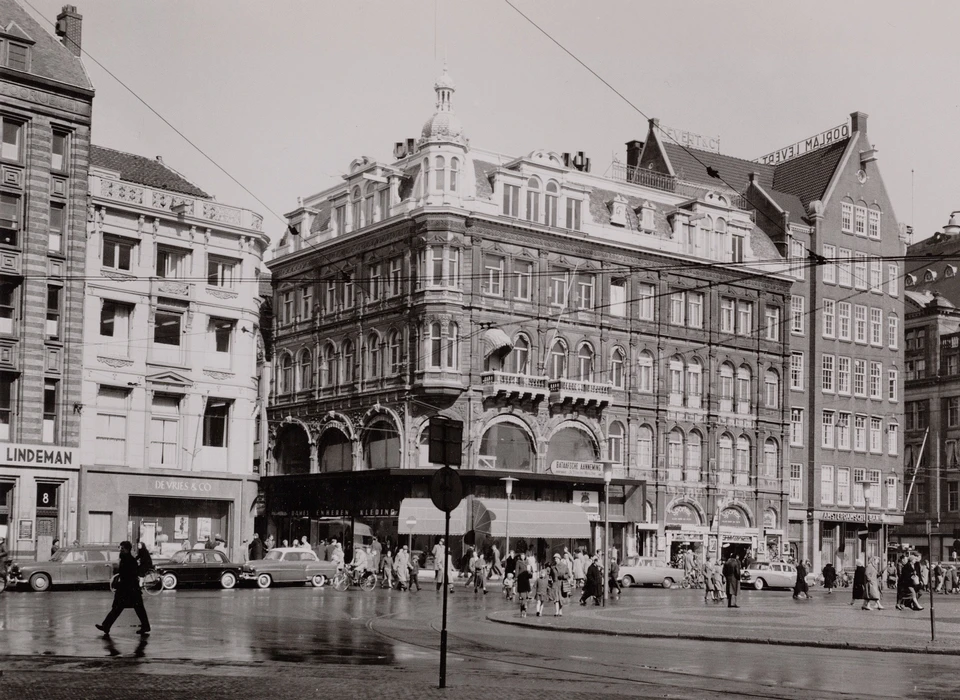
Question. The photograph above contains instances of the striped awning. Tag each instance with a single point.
(430, 520)
(544, 519)
(496, 342)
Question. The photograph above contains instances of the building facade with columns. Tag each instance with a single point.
(171, 403)
(46, 101)
(565, 318)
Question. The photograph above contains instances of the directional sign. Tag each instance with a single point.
(446, 489)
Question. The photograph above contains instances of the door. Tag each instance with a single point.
(99, 567)
(73, 568)
(291, 567)
(46, 533)
(194, 569)
(214, 565)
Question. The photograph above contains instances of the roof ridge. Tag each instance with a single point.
(814, 151)
(717, 153)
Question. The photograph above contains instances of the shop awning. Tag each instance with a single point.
(530, 519)
(430, 520)
(496, 342)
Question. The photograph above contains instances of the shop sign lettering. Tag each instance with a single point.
(182, 485)
(30, 456)
(682, 514)
(795, 150)
(565, 468)
(693, 140)
(375, 512)
(839, 516)
(732, 517)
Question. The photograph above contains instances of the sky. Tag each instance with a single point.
(283, 94)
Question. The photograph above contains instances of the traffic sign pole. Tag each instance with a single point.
(446, 590)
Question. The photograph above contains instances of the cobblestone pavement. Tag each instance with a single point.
(773, 617)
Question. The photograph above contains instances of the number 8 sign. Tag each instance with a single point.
(47, 495)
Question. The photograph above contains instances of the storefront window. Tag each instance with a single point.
(335, 452)
(291, 451)
(506, 446)
(381, 446)
(572, 444)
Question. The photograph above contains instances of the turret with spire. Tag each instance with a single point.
(444, 126)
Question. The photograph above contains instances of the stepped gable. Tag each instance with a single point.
(735, 172)
(809, 175)
(143, 171)
(48, 57)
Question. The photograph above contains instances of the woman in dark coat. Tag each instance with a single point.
(859, 582)
(524, 576)
(800, 587)
(128, 593)
(907, 586)
(144, 560)
(829, 577)
(593, 586)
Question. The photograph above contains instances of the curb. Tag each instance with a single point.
(852, 646)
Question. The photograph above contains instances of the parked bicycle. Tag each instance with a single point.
(692, 580)
(151, 582)
(349, 576)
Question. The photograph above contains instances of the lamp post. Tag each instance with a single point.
(411, 524)
(607, 478)
(865, 484)
(508, 485)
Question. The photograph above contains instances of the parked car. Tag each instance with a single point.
(88, 564)
(198, 566)
(288, 565)
(648, 571)
(773, 574)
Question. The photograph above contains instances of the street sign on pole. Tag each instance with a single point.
(446, 489)
(445, 441)
(446, 492)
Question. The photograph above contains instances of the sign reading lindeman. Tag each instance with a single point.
(37, 456)
(795, 150)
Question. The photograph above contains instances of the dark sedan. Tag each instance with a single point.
(198, 566)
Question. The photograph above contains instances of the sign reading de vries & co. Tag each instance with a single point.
(182, 486)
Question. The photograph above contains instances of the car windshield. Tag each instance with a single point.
(59, 554)
(274, 555)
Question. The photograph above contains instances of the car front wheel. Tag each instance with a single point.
(626, 581)
(759, 584)
(667, 582)
(169, 582)
(228, 580)
(318, 580)
(40, 582)
(264, 581)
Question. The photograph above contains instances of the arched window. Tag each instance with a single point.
(771, 389)
(349, 362)
(454, 174)
(675, 451)
(585, 363)
(373, 356)
(703, 238)
(645, 447)
(726, 387)
(721, 246)
(453, 346)
(533, 199)
(368, 203)
(558, 360)
(306, 369)
(519, 358)
(744, 376)
(771, 458)
(615, 442)
(330, 365)
(645, 372)
(617, 361)
(742, 464)
(551, 203)
(435, 346)
(694, 456)
(694, 383)
(441, 174)
(286, 374)
(357, 209)
(425, 177)
(675, 380)
(725, 453)
(394, 341)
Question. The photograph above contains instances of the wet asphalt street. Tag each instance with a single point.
(254, 628)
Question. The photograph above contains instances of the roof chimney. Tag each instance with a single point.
(858, 121)
(634, 148)
(68, 28)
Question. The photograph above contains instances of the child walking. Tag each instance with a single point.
(541, 591)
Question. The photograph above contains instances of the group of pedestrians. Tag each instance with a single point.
(720, 581)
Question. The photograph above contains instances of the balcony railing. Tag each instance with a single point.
(515, 386)
(669, 183)
(579, 393)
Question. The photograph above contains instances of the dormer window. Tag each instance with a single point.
(18, 56)
(357, 209)
(533, 199)
(511, 200)
(929, 276)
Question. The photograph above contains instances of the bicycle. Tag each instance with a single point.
(151, 582)
(344, 578)
(692, 580)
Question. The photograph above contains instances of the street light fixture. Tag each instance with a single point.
(508, 485)
(865, 484)
(607, 478)
(411, 524)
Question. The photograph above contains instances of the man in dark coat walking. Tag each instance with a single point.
(256, 548)
(128, 593)
(731, 574)
(593, 586)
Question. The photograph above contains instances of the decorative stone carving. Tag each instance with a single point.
(221, 294)
(171, 287)
(118, 276)
(220, 376)
(114, 362)
(225, 215)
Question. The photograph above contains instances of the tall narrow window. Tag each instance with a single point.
(349, 363)
(533, 200)
(166, 329)
(111, 425)
(58, 151)
(395, 345)
(796, 371)
(493, 266)
(305, 381)
(215, 418)
(454, 174)
(551, 203)
(165, 431)
(618, 298)
(522, 279)
(10, 149)
(645, 373)
(357, 209)
(617, 362)
(330, 368)
(8, 308)
(54, 300)
(435, 348)
(440, 174)
(373, 356)
(645, 302)
(585, 363)
(511, 200)
(368, 203)
(50, 400)
(573, 214)
(615, 442)
(56, 230)
(115, 324)
(9, 219)
(453, 347)
(645, 447)
(558, 360)
(517, 360)
(222, 331)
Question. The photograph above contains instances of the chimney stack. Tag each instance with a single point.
(633, 153)
(68, 28)
(858, 121)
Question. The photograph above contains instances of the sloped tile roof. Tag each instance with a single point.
(322, 220)
(691, 164)
(808, 176)
(482, 171)
(409, 178)
(48, 57)
(790, 203)
(937, 253)
(143, 171)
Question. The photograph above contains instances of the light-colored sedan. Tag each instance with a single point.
(772, 574)
(648, 571)
(288, 565)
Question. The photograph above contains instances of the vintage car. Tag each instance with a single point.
(88, 564)
(648, 571)
(773, 574)
(288, 565)
(198, 566)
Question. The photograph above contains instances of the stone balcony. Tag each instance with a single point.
(579, 393)
(175, 204)
(513, 386)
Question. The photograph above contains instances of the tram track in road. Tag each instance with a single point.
(608, 672)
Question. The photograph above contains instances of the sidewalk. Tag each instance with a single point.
(766, 617)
